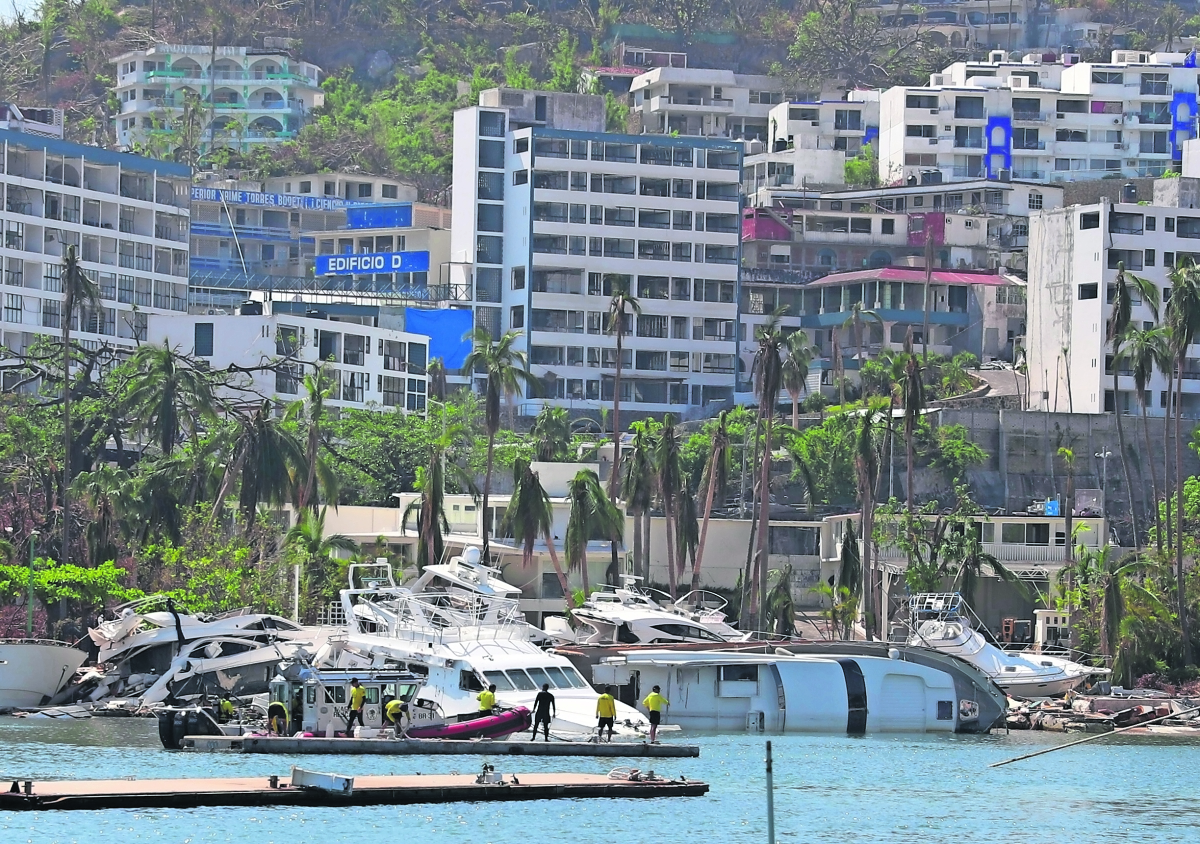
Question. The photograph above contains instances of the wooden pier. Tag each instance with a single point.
(365, 791)
(439, 747)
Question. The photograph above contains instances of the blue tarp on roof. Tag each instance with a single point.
(445, 328)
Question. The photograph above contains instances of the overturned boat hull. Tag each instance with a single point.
(34, 670)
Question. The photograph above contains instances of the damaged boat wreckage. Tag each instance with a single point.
(146, 655)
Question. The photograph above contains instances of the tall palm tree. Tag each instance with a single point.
(716, 477)
(1183, 317)
(551, 434)
(914, 403)
(858, 319)
(1120, 319)
(622, 304)
(504, 367)
(1068, 459)
(592, 515)
(430, 505)
(767, 372)
(797, 358)
(318, 386)
(894, 366)
(167, 394)
(866, 471)
(668, 469)
(79, 291)
(1146, 349)
(638, 488)
(266, 458)
(849, 573)
(838, 367)
(687, 528)
(107, 490)
(316, 549)
(530, 515)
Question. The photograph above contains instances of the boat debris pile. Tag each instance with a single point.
(1105, 713)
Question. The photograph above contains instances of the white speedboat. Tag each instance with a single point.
(460, 643)
(628, 615)
(34, 670)
(782, 691)
(942, 621)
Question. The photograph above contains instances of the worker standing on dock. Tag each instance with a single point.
(487, 701)
(358, 699)
(654, 704)
(606, 712)
(543, 711)
(395, 712)
(277, 718)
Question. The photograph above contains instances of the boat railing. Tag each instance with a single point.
(434, 616)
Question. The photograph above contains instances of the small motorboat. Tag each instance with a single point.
(502, 724)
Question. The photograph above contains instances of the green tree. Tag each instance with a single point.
(167, 394)
(551, 434)
(503, 366)
(621, 307)
(862, 171)
(316, 550)
(592, 515)
(266, 458)
(1126, 287)
(767, 372)
(319, 385)
(638, 487)
(531, 515)
(797, 357)
(1146, 349)
(668, 470)
(564, 68)
(716, 478)
(780, 607)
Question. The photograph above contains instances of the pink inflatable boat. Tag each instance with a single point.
(493, 726)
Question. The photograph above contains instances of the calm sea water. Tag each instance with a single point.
(828, 788)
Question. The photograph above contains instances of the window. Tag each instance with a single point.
(388, 191)
(920, 131)
(1107, 77)
(1089, 291)
(491, 154)
(1035, 201)
(860, 225)
(364, 190)
(517, 317)
(887, 226)
(490, 218)
(393, 391)
(521, 177)
(14, 307)
(491, 186)
(1150, 256)
(1169, 224)
(1090, 220)
(204, 339)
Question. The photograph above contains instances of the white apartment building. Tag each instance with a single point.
(548, 220)
(244, 96)
(1042, 122)
(710, 102)
(46, 122)
(351, 187)
(373, 367)
(1074, 254)
(810, 142)
(127, 218)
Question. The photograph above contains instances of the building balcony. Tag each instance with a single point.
(693, 105)
(1031, 117)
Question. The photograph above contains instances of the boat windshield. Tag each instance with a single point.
(521, 680)
(500, 680)
(557, 678)
(539, 676)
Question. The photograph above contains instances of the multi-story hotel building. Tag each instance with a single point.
(127, 218)
(237, 96)
(551, 214)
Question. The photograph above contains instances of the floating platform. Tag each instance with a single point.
(439, 747)
(362, 791)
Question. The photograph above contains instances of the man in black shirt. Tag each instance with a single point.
(543, 711)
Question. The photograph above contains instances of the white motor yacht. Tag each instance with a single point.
(851, 693)
(628, 615)
(34, 670)
(461, 642)
(942, 621)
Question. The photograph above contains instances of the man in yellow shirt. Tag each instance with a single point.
(395, 712)
(487, 701)
(655, 703)
(358, 699)
(606, 712)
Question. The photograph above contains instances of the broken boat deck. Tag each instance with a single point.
(438, 747)
(366, 791)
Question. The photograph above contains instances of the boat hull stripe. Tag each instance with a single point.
(856, 697)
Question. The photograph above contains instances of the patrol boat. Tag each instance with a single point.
(460, 642)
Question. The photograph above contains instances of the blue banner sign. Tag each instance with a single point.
(365, 263)
(380, 217)
(269, 200)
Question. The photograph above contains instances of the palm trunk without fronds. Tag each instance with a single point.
(614, 483)
(795, 410)
(646, 545)
(1137, 540)
(487, 494)
(764, 506)
(708, 504)
(67, 438)
(748, 592)
(672, 577)
(558, 569)
(887, 451)
(1180, 582)
(637, 543)
(1158, 526)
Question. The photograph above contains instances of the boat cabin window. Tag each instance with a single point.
(468, 681)
(557, 678)
(372, 694)
(733, 673)
(521, 680)
(686, 631)
(574, 679)
(500, 679)
(538, 676)
(310, 694)
(335, 694)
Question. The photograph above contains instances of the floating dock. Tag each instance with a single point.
(363, 791)
(439, 747)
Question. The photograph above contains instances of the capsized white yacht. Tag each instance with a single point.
(460, 642)
(831, 691)
(628, 615)
(34, 670)
(942, 621)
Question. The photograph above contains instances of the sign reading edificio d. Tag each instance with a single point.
(364, 263)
